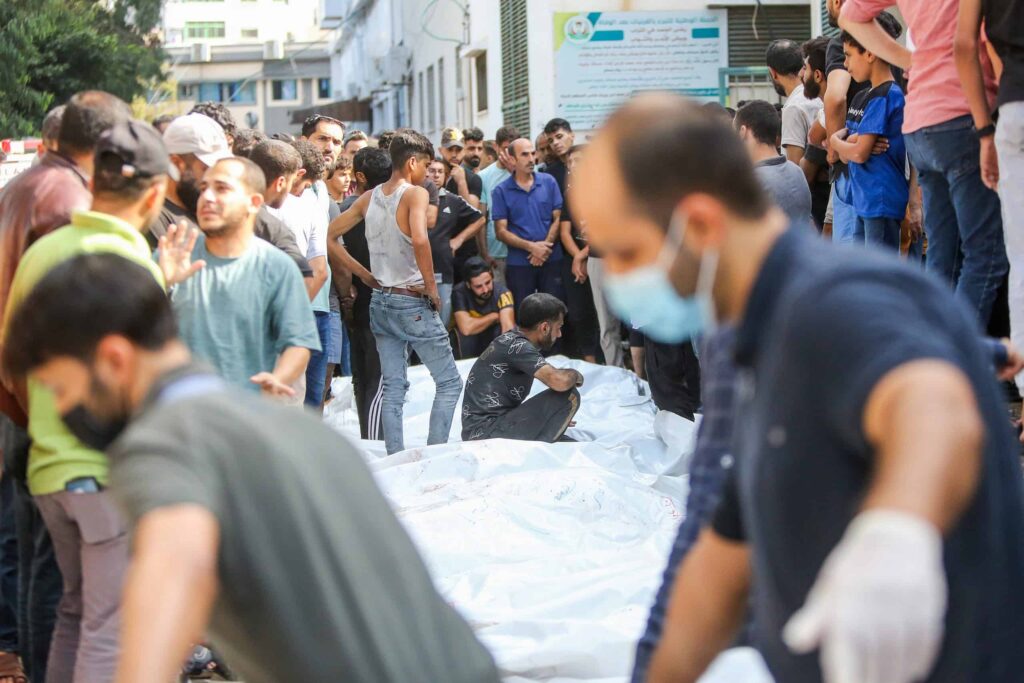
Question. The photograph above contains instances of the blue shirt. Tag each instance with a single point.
(491, 177)
(528, 213)
(879, 185)
(804, 463)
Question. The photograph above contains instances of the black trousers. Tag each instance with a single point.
(366, 384)
(545, 417)
(579, 299)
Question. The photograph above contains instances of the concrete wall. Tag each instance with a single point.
(273, 19)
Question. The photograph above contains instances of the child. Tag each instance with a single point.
(339, 179)
(879, 182)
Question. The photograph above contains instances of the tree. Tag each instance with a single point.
(51, 49)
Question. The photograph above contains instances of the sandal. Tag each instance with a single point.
(11, 670)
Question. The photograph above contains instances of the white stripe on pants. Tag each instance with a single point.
(1010, 147)
(611, 328)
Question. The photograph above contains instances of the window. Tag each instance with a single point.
(747, 46)
(186, 91)
(250, 33)
(209, 92)
(323, 88)
(235, 92)
(204, 29)
(515, 68)
(423, 115)
(241, 93)
(440, 90)
(480, 64)
(285, 90)
(431, 99)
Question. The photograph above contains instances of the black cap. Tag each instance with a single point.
(134, 149)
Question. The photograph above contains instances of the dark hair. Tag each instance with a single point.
(505, 135)
(887, 21)
(474, 134)
(252, 176)
(384, 139)
(342, 164)
(408, 143)
(219, 113)
(245, 140)
(312, 159)
(718, 110)
(693, 150)
(374, 163)
(52, 121)
(283, 137)
(310, 124)
(555, 125)
(815, 51)
(761, 119)
(163, 119)
(86, 117)
(275, 159)
(540, 308)
(81, 301)
(475, 266)
(490, 150)
(784, 56)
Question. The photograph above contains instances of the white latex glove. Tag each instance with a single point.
(878, 606)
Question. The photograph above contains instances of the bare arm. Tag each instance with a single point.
(505, 235)
(924, 424)
(556, 226)
(169, 591)
(349, 219)
(339, 253)
(431, 216)
(874, 39)
(559, 380)
(794, 153)
(858, 151)
(314, 284)
(568, 243)
(706, 610)
(291, 365)
(835, 101)
(469, 326)
(471, 231)
(507, 316)
(341, 275)
(417, 200)
(968, 64)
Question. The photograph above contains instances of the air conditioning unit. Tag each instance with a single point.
(273, 49)
(200, 52)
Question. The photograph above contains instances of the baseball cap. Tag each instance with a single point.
(197, 134)
(452, 137)
(133, 149)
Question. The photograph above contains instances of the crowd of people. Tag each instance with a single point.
(157, 279)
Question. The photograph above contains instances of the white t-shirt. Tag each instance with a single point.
(308, 222)
(798, 114)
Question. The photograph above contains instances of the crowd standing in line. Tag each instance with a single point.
(156, 279)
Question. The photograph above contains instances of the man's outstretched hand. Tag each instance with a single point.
(175, 250)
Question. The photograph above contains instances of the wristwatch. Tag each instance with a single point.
(985, 132)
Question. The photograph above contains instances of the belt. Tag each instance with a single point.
(403, 291)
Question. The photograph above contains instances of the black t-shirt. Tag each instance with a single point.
(500, 380)
(431, 189)
(169, 215)
(473, 182)
(463, 299)
(823, 327)
(355, 242)
(1004, 26)
(454, 214)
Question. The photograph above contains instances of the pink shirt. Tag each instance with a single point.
(935, 95)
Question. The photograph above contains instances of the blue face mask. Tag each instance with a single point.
(646, 298)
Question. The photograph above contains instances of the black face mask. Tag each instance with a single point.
(94, 432)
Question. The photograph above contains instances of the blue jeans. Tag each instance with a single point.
(961, 216)
(444, 292)
(844, 217)
(344, 345)
(316, 371)
(398, 323)
(881, 232)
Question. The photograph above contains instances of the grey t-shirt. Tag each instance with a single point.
(239, 314)
(798, 115)
(318, 579)
(787, 187)
(500, 380)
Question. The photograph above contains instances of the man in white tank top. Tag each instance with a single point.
(405, 303)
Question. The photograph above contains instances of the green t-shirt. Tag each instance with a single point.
(239, 314)
(56, 456)
(318, 579)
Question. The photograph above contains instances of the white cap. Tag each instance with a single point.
(197, 134)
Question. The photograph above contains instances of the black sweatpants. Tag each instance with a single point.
(545, 417)
(366, 384)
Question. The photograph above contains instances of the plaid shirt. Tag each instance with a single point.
(712, 460)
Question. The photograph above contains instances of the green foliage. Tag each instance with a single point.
(51, 49)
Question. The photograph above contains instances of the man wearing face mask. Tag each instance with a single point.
(195, 143)
(495, 404)
(878, 516)
(242, 511)
(66, 476)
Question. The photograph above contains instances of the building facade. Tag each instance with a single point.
(264, 59)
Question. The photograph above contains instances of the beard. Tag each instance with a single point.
(231, 222)
(812, 89)
(188, 193)
(779, 90)
(474, 162)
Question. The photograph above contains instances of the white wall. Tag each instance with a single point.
(274, 20)
(441, 51)
(485, 34)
